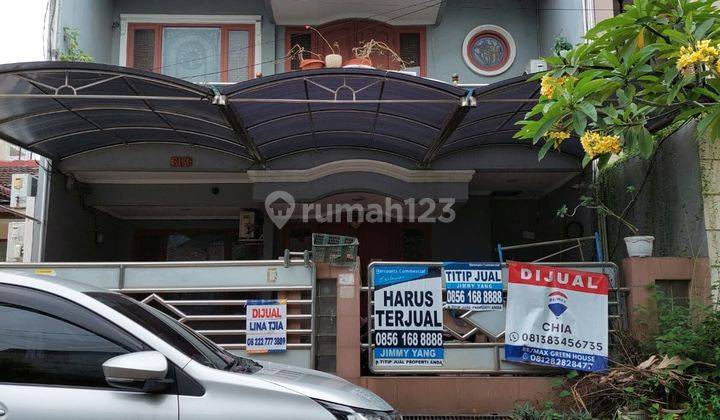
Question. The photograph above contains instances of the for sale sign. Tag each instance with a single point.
(557, 317)
(473, 286)
(407, 315)
(266, 326)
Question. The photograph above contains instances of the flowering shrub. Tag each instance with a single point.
(657, 62)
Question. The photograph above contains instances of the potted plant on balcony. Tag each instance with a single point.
(299, 52)
(366, 49)
(332, 60)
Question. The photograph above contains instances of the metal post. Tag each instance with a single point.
(598, 248)
(500, 252)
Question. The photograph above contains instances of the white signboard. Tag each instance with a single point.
(557, 317)
(266, 326)
(407, 315)
(473, 286)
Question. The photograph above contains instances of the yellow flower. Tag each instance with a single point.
(558, 135)
(595, 143)
(548, 84)
(701, 53)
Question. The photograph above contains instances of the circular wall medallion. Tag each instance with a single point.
(489, 50)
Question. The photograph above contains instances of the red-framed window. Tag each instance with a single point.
(195, 52)
(407, 41)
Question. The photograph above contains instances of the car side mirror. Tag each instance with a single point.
(144, 371)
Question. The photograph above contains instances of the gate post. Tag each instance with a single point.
(348, 343)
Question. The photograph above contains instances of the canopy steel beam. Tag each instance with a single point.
(468, 102)
(242, 134)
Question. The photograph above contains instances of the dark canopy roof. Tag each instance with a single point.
(60, 109)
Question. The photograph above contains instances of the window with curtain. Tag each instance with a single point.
(196, 53)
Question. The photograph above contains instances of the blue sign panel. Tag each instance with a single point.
(473, 286)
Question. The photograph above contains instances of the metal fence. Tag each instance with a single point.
(209, 297)
(473, 341)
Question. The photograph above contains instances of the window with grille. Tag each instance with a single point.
(196, 53)
(677, 292)
(410, 48)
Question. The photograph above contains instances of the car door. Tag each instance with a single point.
(51, 356)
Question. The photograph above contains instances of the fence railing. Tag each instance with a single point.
(473, 341)
(210, 297)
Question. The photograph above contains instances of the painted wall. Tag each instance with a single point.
(559, 18)
(100, 36)
(669, 207)
(71, 227)
(444, 41)
(94, 21)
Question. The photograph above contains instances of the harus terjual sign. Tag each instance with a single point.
(407, 315)
(557, 317)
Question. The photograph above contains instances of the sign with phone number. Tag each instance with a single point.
(266, 326)
(557, 317)
(473, 286)
(407, 315)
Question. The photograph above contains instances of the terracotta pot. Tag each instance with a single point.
(358, 62)
(311, 64)
(333, 61)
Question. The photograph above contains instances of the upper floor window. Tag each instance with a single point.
(193, 52)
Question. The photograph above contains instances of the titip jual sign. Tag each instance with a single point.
(557, 317)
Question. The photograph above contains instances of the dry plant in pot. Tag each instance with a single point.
(332, 60)
(299, 52)
(366, 49)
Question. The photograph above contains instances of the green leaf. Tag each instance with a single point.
(549, 120)
(586, 159)
(645, 143)
(544, 149)
(702, 29)
(588, 109)
(572, 374)
(564, 393)
(705, 122)
(579, 122)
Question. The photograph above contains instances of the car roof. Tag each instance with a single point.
(38, 281)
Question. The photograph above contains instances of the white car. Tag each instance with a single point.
(72, 351)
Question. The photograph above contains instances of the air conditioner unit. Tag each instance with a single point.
(22, 187)
(15, 242)
(535, 66)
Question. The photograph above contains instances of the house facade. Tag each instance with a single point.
(136, 201)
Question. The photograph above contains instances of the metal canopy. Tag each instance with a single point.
(60, 109)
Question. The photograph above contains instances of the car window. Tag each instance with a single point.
(45, 339)
(177, 335)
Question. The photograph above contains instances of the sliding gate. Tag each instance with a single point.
(209, 297)
(473, 341)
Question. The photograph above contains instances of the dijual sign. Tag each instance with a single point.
(557, 317)
(407, 315)
(473, 286)
(265, 329)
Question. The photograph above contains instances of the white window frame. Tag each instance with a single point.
(126, 19)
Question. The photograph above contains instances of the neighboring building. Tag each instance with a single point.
(28, 30)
